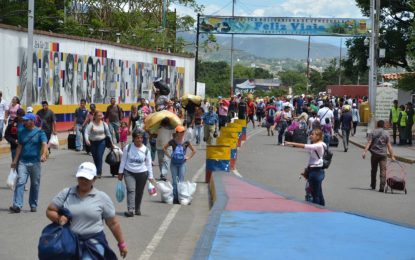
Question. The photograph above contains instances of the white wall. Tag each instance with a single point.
(125, 73)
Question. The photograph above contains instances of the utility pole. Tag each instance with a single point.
(197, 53)
(29, 81)
(340, 62)
(233, 13)
(308, 62)
(374, 17)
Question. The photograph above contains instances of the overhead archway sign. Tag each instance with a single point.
(306, 26)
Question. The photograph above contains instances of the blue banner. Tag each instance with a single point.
(284, 25)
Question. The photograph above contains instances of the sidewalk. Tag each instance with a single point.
(250, 222)
(402, 153)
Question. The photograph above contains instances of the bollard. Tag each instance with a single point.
(217, 159)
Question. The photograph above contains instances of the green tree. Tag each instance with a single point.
(292, 78)
(396, 36)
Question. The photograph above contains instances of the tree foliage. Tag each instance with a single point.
(134, 22)
(216, 75)
(395, 35)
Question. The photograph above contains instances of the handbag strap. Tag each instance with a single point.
(28, 139)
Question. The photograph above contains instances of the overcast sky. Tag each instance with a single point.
(303, 8)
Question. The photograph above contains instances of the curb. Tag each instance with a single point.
(399, 158)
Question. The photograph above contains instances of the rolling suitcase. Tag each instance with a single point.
(72, 141)
(334, 141)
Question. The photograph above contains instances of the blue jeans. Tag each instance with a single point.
(97, 151)
(79, 136)
(25, 170)
(326, 140)
(315, 179)
(198, 132)
(282, 131)
(114, 130)
(177, 174)
(164, 162)
(1, 128)
(100, 249)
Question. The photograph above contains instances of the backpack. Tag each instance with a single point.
(336, 113)
(327, 156)
(178, 155)
(38, 121)
(271, 114)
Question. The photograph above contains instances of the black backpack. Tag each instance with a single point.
(327, 156)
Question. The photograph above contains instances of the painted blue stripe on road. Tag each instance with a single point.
(334, 235)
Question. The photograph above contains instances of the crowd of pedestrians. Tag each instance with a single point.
(311, 123)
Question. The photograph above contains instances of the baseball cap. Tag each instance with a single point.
(87, 170)
(29, 117)
(354, 104)
(29, 110)
(219, 97)
(180, 129)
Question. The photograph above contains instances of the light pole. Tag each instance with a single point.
(373, 43)
(233, 13)
(29, 81)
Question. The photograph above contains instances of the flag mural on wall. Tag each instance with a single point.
(66, 78)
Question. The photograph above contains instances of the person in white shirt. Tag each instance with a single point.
(324, 113)
(136, 167)
(315, 169)
(164, 134)
(3, 114)
(205, 105)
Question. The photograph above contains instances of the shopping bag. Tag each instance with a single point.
(185, 191)
(53, 142)
(111, 158)
(152, 191)
(188, 136)
(120, 191)
(57, 242)
(11, 179)
(166, 191)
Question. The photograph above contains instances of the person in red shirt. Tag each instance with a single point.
(251, 112)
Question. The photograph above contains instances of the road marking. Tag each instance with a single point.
(199, 172)
(151, 247)
(255, 132)
(158, 236)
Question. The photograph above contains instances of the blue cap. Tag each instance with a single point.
(29, 116)
(219, 97)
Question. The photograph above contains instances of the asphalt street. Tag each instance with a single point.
(162, 232)
(171, 232)
(346, 186)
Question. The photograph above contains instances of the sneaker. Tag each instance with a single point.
(137, 213)
(381, 190)
(33, 209)
(162, 178)
(129, 214)
(14, 209)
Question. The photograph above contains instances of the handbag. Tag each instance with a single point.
(58, 241)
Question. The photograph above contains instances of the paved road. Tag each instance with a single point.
(346, 186)
(162, 232)
(171, 232)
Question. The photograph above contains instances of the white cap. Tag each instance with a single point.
(87, 170)
(29, 110)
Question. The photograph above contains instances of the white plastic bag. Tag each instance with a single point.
(152, 191)
(11, 179)
(188, 136)
(54, 142)
(166, 191)
(185, 191)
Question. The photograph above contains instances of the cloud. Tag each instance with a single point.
(312, 8)
(307, 8)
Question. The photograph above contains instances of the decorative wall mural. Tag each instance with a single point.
(66, 78)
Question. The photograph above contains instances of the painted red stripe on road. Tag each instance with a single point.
(243, 196)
